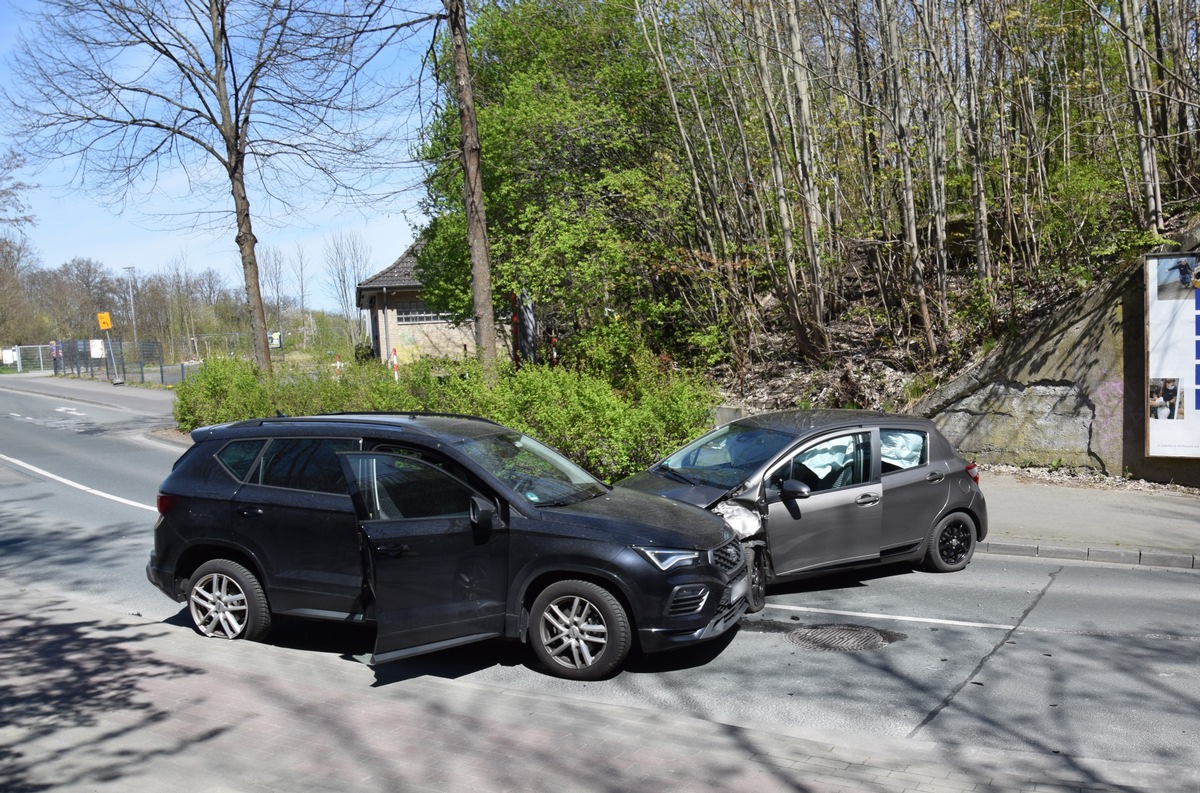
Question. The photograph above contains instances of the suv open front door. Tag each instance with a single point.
(434, 554)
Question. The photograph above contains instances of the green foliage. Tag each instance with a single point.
(580, 184)
(920, 384)
(604, 349)
(612, 430)
(1085, 228)
(222, 390)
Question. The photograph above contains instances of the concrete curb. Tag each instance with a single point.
(1183, 560)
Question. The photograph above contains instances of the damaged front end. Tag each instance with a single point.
(747, 524)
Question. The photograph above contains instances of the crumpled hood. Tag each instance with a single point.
(703, 496)
(648, 519)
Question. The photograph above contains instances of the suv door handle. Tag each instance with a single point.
(867, 499)
(250, 512)
(935, 476)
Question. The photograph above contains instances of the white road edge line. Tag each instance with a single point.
(893, 617)
(76, 485)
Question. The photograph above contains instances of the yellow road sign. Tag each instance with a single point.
(105, 320)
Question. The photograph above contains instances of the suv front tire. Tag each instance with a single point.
(579, 630)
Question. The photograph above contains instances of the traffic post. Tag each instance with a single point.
(105, 322)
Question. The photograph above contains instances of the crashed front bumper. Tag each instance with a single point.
(733, 605)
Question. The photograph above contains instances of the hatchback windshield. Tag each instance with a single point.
(541, 475)
(724, 457)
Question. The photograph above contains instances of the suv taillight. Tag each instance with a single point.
(972, 471)
(164, 502)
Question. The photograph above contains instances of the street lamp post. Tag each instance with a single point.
(133, 315)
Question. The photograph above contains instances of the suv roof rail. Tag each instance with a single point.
(350, 415)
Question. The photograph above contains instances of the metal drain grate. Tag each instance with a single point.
(838, 638)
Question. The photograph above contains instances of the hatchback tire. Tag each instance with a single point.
(579, 631)
(951, 543)
(756, 569)
(227, 601)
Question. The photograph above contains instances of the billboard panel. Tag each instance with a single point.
(1173, 355)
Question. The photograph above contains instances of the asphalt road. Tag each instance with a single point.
(1036, 655)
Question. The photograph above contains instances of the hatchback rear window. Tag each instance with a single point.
(900, 449)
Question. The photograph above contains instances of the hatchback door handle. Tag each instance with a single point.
(867, 499)
(250, 512)
(935, 476)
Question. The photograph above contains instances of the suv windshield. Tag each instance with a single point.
(541, 475)
(724, 457)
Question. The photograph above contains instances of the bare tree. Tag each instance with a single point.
(13, 211)
(302, 273)
(271, 269)
(347, 263)
(20, 320)
(286, 99)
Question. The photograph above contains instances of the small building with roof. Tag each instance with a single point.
(400, 323)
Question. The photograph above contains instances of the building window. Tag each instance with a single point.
(411, 312)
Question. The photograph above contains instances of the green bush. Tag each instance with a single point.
(612, 430)
(222, 390)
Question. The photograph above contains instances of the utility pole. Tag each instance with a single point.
(133, 315)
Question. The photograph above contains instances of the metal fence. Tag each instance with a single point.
(30, 357)
(100, 359)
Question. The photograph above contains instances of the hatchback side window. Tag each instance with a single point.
(901, 449)
(399, 487)
(306, 464)
(238, 456)
(828, 465)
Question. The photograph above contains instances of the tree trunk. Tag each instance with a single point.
(1139, 87)
(808, 185)
(477, 242)
(983, 259)
(900, 116)
(246, 242)
(775, 146)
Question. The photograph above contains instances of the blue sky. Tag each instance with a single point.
(74, 224)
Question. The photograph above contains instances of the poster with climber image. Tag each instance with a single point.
(1173, 355)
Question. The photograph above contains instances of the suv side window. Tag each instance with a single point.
(397, 487)
(837, 462)
(901, 449)
(306, 464)
(238, 456)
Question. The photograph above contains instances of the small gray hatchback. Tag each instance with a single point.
(819, 491)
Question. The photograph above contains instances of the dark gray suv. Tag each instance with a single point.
(442, 530)
(817, 491)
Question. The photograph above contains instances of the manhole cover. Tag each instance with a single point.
(838, 638)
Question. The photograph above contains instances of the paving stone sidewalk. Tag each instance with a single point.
(95, 701)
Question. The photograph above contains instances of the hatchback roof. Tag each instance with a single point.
(797, 422)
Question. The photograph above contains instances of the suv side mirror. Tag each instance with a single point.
(792, 489)
(483, 513)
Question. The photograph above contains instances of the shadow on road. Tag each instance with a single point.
(73, 686)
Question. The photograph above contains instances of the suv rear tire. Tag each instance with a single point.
(578, 630)
(227, 601)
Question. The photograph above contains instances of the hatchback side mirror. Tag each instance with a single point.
(483, 513)
(792, 489)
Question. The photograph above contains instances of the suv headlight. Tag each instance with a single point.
(666, 558)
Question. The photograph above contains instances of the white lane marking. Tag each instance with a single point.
(69, 411)
(76, 485)
(894, 617)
